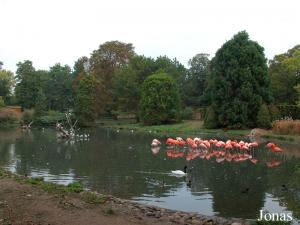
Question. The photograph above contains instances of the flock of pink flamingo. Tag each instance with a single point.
(231, 150)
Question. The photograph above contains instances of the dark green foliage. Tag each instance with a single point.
(196, 80)
(2, 104)
(58, 88)
(240, 82)
(187, 113)
(274, 112)
(292, 111)
(28, 84)
(128, 82)
(210, 120)
(160, 101)
(85, 103)
(284, 72)
(263, 117)
(40, 105)
(50, 118)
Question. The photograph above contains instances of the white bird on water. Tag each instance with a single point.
(179, 172)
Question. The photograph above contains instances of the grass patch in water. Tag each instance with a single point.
(74, 187)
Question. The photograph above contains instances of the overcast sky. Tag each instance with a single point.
(51, 31)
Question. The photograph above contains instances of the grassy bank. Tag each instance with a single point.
(184, 128)
(188, 128)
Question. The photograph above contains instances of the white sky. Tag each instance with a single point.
(51, 31)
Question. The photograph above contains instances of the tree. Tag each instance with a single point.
(40, 104)
(240, 82)
(2, 104)
(7, 83)
(58, 88)
(284, 71)
(160, 101)
(196, 79)
(128, 81)
(80, 66)
(263, 117)
(297, 88)
(105, 63)
(85, 101)
(28, 84)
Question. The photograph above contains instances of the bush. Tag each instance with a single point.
(160, 101)
(187, 113)
(8, 118)
(210, 118)
(2, 104)
(50, 119)
(263, 117)
(286, 126)
(274, 112)
(27, 116)
(289, 111)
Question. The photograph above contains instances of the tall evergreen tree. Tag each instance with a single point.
(240, 82)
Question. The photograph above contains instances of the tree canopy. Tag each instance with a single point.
(160, 100)
(240, 82)
(284, 71)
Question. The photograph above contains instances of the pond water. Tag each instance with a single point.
(122, 164)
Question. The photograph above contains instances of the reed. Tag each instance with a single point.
(286, 126)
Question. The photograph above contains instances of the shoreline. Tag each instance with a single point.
(66, 200)
(191, 128)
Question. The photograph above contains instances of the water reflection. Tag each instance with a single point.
(123, 164)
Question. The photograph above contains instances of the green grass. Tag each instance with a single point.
(188, 128)
(185, 128)
(93, 198)
(54, 188)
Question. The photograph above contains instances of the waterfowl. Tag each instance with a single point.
(245, 191)
(155, 143)
(180, 172)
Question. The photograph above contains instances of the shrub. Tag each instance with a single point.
(286, 126)
(160, 101)
(210, 118)
(263, 117)
(274, 112)
(50, 119)
(8, 118)
(187, 113)
(27, 115)
(289, 111)
(2, 104)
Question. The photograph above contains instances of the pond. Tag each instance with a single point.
(122, 164)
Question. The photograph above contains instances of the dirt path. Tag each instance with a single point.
(27, 204)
